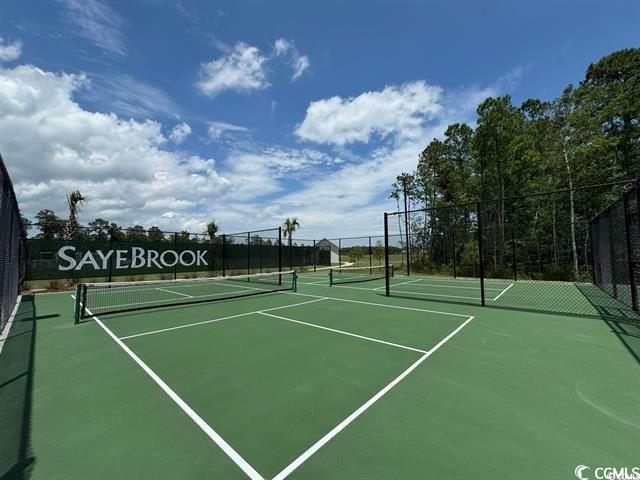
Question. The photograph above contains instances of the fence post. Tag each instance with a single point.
(406, 223)
(224, 255)
(593, 224)
(453, 246)
(340, 252)
(370, 257)
(111, 259)
(612, 256)
(386, 254)
(315, 255)
(248, 253)
(279, 249)
(406, 244)
(175, 247)
(514, 254)
(630, 260)
(260, 249)
(480, 253)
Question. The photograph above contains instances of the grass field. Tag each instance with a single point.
(326, 382)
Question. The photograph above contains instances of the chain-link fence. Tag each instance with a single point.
(616, 249)
(11, 247)
(531, 253)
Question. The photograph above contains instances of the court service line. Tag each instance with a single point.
(184, 406)
(503, 292)
(175, 293)
(204, 322)
(342, 425)
(375, 304)
(371, 339)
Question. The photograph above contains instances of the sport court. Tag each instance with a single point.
(318, 382)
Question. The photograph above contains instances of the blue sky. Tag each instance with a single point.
(172, 112)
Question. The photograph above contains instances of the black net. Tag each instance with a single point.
(338, 275)
(11, 247)
(106, 298)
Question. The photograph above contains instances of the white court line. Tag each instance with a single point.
(435, 294)
(468, 287)
(342, 425)
(204, 426)
(385, 305)
(176, 293)
(7, 327)
(503, 292)
(204, 322)
(343, 332)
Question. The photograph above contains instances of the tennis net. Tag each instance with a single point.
(104, 298)
(339, 275)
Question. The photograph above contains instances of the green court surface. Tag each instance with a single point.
(323, 383)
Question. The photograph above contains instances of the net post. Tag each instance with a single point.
(295, 281)
(224, 255)
(248, 253)
(630, 261)
(315, 255)
(331, 277)
(453, 246)
(76, 311)
(386, 254)
(514, 259)
(480, 253)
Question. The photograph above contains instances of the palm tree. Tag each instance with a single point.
(288, 227)
(211, 229)
(74, 200)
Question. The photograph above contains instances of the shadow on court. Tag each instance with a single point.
(16, 388)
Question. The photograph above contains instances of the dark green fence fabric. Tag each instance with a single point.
(229, 255)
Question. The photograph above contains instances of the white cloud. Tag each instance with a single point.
(299, 63)
(99, 24)
(10, 51)
(180, 132)
(282, 46)
(52, 145)
(260, 173)
(395, 110)
(241, 70)
(217, 130)
(128, 96)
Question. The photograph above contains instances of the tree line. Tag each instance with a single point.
(588, 135)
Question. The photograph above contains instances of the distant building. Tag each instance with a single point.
(325, 244)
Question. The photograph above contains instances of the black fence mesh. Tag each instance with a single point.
(531, 253)
(616, 249)
(11, 247)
